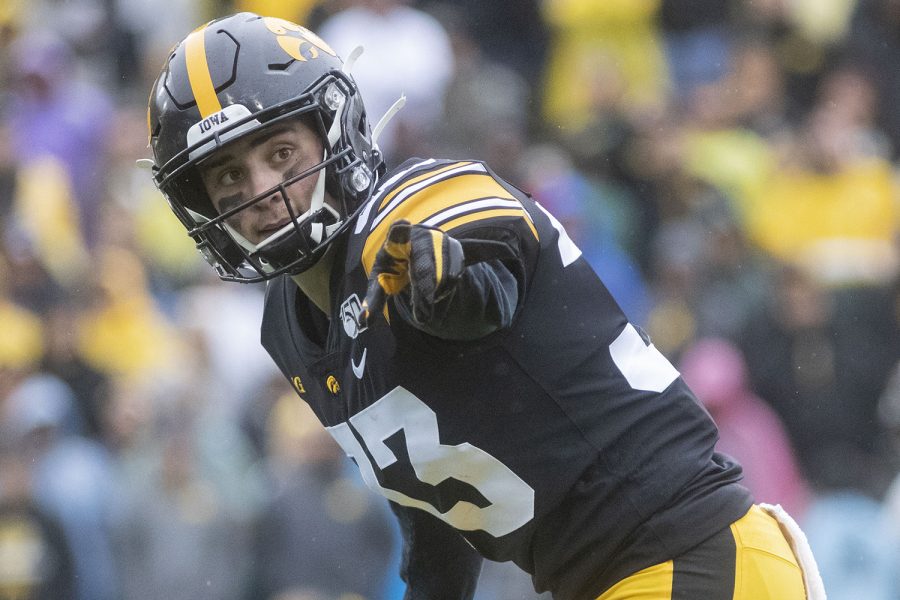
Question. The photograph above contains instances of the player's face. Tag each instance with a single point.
(256, 163)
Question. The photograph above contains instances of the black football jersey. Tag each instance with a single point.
(564, 442)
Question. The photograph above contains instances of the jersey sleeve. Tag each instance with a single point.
(459, 198)
(436, 562)
(467, 201)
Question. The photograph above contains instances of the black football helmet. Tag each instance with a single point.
(235, 76)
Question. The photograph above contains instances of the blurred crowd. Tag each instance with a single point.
(729, 167)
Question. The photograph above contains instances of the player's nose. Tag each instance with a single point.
(266, 183)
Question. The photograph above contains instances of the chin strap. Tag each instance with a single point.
(337, 100)
(318, 196)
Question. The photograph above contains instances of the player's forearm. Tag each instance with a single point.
(437, 562)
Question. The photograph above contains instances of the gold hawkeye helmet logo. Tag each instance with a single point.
(299, 42)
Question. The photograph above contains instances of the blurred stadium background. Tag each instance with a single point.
(728, 166)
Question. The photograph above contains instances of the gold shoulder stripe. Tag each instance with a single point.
(489, 214)
(417, 179)
(198, 73)
(431, 200)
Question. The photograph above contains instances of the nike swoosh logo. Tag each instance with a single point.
(358, 368)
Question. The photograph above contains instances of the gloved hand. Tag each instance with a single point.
(423, 258)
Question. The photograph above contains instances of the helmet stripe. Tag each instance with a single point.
(199, 75)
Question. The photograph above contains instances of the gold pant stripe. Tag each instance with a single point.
(653, 582)
(763, 568)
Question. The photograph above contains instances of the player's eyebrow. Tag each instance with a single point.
(257, 140)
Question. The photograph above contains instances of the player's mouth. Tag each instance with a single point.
(273, 227)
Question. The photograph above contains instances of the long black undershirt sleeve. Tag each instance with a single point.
(437, 563)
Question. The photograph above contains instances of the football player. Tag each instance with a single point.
(449, 335)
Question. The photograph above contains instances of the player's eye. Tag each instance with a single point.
(230, 177)
(283, 154)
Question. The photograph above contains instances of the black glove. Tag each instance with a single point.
(420, 257)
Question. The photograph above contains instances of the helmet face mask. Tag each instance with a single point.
(255, 72)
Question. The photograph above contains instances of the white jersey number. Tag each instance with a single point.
(568, 251)
(642, 365)
(511, 499)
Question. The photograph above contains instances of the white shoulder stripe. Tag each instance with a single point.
(471, 168)
(382, 189)
(478, 205)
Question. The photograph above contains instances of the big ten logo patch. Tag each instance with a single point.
(299, 43)
(351, 309)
